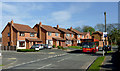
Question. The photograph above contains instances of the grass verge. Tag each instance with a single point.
(96, 65)
(76, 47)
(109, 51)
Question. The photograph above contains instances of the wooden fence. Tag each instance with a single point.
(8, 48)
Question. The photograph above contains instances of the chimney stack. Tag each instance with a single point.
(11, 22)
(57, 26)
(70, 28)
(40, 24)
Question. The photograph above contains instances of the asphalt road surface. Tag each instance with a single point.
(47, 59)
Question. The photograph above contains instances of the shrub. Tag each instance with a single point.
(59, 47)
(25, 50)
(53, 46)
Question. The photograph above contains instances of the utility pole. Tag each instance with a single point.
(105, 31)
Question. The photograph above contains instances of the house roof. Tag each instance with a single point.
(49, 28)
(76, 31)
(65, 30)
(101, 33)
(34, 39)
(23, 28)
(59, 38)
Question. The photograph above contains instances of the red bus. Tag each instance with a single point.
(90, 45)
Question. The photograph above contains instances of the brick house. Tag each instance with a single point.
(68, 35)
(99, 36)
(21, 36)
(87, 35)
(78, 35)
(49, 35)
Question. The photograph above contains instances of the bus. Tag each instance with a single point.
(90, 45)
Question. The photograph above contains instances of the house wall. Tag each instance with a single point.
(5, 37)
(97, 36)
(88, 34)
(52, 35)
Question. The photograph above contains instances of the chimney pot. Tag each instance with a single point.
(57, 26)
(40, 23)
(70, 28)
(12, 22)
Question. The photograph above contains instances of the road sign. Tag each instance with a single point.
(104, 34)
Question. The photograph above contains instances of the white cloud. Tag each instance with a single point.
(61, 16)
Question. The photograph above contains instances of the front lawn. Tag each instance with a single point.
(76, 47)
(96, 65)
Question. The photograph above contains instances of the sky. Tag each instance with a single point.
(64, 14)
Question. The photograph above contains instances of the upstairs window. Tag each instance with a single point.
(72, 35)
(22, 34)
(68, 35)
(49, 33)
(8, 34)
(56, 34)
(32, 34)
(78, 36)
(82, 36)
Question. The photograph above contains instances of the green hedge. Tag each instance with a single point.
(25, 50)
(76, 47)
(53, 46)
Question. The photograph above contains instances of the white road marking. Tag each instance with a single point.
(44, 66)
(62, 60)
(35, 61)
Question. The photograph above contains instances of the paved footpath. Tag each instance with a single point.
(111, 61)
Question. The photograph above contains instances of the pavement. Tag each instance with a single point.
(111, 61)
(47, 59)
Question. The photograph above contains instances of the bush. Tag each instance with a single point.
(53, 46)
(59, 47)
(25, 50)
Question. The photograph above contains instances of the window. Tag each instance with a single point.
(56, 34)
(57, 42)
(22, 34)
(8, 43)
(21, 43)
(78, 41)
(78, 36)
(87, 37)
(50, 42)
(68, 35)
(32, 35)
(82, 36)
(68, 42)
(72, 35)
(49, 33)
(8, 34)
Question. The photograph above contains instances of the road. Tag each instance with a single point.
(47, 59)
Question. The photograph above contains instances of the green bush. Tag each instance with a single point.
(25, 50)
(59, 47)
(53, 46)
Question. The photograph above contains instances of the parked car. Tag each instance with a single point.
(37, 46)
(47, 46)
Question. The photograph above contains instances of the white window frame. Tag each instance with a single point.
(67, 35)
(56, 34)
(72, 35)
(82, 36)
(49, 33)
(32, 34)
(78, 36)
(21, 34)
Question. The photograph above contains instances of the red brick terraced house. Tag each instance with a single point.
(87, 35)
(19, 35)
(78, 35)
(49, 35)
(68, 35)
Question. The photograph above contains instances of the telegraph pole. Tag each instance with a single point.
(105, 31)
